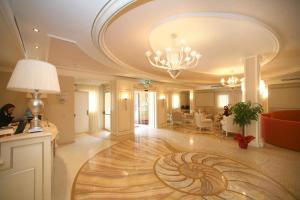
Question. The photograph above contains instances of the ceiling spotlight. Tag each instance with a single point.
(35, 30)
(36, 47)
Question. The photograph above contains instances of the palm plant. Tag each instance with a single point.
(244, 113)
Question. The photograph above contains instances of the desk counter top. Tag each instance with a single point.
(49, 130)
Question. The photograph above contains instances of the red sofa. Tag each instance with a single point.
(282, 128)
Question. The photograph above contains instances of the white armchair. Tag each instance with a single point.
(203, 123)
(177, 117)
(228, 126)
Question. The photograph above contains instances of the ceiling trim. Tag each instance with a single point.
(8, 15)
(112, 8)
(108, 11)
(100, 25)
(228, 15)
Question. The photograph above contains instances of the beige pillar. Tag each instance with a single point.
(192, 102)
(122, 108)
(252, 78)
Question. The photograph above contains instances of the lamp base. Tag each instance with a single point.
(36, 105)
(35, 129)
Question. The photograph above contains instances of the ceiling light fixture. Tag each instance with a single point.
(36, 47)
(146, 84)
(177, 58)
(232, 81)
(35, 30)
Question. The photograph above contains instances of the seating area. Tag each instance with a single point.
(282, 128)
(279, 128)
(200, 121)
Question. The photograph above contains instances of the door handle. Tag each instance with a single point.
(87, 112)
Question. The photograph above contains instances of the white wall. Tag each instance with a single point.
(284, 97)
(206, 100)
(122, 111)
(7, 96)
(161, 108)
(184, 98)
(60, 113)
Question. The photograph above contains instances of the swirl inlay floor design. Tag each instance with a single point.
(190, 173)
(151, 169)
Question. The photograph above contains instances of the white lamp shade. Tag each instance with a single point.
(31, 75)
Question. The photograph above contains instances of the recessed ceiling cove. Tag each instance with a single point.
(222, 38)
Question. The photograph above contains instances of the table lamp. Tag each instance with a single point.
(36, 77)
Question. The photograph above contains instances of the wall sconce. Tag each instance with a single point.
(163, 100)
(162, 97)
(124, 98)
(191, 95)
(243, 86)
(263, 89)
(62, 97)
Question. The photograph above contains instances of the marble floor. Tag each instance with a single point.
(173, 163)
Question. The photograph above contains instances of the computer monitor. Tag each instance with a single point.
(21, 127)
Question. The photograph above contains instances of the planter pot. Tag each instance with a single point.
(243, 140)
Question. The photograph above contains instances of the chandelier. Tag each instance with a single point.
(175, 59)
(232, 81)
(146, 84)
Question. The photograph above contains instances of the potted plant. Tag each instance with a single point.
(244, 113)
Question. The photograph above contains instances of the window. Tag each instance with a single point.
(175, 101)
(223, 100)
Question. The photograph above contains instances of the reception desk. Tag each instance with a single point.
(26, 165)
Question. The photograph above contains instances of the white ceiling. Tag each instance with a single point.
(220, 38)
(109, 38)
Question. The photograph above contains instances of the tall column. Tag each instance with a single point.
(192, 102)
(252, 78)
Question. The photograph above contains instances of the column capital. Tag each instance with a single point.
(256, 56)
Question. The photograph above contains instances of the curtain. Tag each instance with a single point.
(94, 106)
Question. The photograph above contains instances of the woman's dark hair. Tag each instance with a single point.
(7, 106)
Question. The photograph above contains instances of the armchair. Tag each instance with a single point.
(177, 117)
(188, 118)
(228, 126)
(203, 123)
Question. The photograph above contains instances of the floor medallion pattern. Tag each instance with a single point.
(190, 173)
(150, 168)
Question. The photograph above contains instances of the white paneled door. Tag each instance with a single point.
(81, 112)
(152, 109)
(107, 109)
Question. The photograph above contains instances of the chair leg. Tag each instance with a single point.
(226, 133)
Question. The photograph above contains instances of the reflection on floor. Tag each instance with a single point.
(70, 157)
(192, 129)
(169, 164)
(149, 151)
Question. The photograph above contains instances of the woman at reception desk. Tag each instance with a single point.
(6, 114)
(26, 162)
